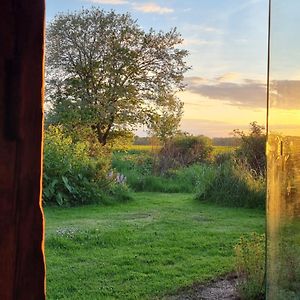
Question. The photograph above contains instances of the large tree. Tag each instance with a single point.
(106, 72)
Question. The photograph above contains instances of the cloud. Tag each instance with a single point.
(285, 94)
(111, 2)
(247, 93)
(152, 8)
(198, 42)
(230, 88)
(194, 80)
(227, 77)
(209, 29)
(197, 29)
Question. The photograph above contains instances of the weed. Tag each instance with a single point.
(250, 266)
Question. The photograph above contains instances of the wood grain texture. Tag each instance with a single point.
(22, 266)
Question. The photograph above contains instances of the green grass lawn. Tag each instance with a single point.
(142, 249)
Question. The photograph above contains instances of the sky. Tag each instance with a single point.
(227, 44)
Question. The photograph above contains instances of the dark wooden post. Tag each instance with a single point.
(22, 270)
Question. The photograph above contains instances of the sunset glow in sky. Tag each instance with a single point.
(227, 41)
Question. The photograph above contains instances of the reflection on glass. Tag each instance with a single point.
(283, 210)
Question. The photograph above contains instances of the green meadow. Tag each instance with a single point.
(146, 248)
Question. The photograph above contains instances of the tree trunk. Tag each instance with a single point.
(102, 133)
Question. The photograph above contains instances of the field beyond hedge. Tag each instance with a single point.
(155, 148)
(143, 249)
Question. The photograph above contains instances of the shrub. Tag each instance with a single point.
(71, 175)
(174, 181)
(252, 150)
(140, 162)
(231, 184)
(137, 166)
(118, 193)
(184, 151)
(250, 266)
(223, 157)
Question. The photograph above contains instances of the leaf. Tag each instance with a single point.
(53, 183)
(66, 183)
(59, 199)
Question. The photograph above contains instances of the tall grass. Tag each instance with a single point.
(138, 169)
(250, 266)
(224, 182)
(231, 184)
(176, 181)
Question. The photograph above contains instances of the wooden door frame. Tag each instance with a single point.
(22, 264)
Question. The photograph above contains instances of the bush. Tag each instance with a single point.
(140, 162)
(138, 168)
(71, 175)
(250, 266)
(223, 157)
(252, 150)
(231, 184)
(184, 151)
(174, 181)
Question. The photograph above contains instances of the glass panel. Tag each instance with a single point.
(283, 210)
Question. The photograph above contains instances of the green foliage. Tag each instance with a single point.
(138, 166)
(231, 184)
(183, 151)
(226, 182)
(138, 161)
(222, 157)
(105, 72)
(165, 125)
(71, 175)
(176, 181)
(252, 149)
(250, 266)
(120, 140)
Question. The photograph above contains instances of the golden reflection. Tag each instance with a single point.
(283, 154)
(283, 211)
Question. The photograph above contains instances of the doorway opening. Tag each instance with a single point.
(150, 212)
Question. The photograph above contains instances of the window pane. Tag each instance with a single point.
(283, 211)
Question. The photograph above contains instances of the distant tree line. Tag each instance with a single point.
(216, 141)
(142, 140)
(226, 141)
